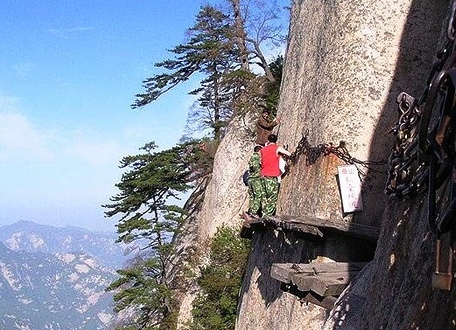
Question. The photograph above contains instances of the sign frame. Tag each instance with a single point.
(350, 188)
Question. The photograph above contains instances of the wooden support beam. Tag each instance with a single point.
(325, 284)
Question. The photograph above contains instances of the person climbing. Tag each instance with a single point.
(270, 174)
(254, 183)
(265, 126)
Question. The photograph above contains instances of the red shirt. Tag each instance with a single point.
(270, 161)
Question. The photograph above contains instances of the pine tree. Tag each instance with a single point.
(148, 223)
(221, 52)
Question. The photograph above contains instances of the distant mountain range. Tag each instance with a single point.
(55, 278)
(32, 237)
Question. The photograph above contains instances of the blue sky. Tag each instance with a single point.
(69, 70)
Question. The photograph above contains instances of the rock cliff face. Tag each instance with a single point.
(345, 65)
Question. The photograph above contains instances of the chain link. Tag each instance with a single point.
(409, 159)
(313, 153)
(406, 173)
(408, 162)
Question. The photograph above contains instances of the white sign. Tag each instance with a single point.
(350, 188)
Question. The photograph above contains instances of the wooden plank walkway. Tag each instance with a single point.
(318, 283)
(309, 225)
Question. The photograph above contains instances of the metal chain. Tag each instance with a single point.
(408, 166)
(409, 162)
(312, 153)
(406, 173)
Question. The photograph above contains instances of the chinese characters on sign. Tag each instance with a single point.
(350, 188)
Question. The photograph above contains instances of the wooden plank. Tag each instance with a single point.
(250, 224)
(334, 284)
(284, 271)
(304, 282)
(348, 228)
(326, 284)
(299, 227)
(314, 226)
(319, 267)
(327, 267)
(324, 279)
(249, 221)
(293, 226)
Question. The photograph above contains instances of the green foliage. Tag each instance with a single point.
(209, 52)
(207, 49)
(220, 282)
(217, 52)
(142, 285)
(148, 221)
(153, 177)
(273, 88)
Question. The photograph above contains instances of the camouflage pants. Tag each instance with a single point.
(255, 193)
(270, 193)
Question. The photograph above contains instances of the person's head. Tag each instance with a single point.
(272, 138)
(257, 148)
(265, 113)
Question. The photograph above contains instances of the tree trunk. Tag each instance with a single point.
(240, 34)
